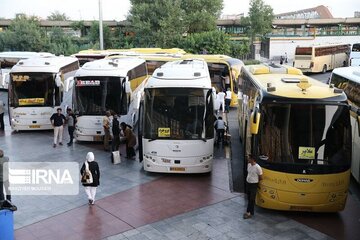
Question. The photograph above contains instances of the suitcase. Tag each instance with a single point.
(115, 157)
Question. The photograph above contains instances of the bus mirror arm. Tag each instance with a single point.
(69, 82)
(58, 80)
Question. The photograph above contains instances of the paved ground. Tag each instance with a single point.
(133, 204)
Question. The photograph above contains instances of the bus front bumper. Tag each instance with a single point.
(151, 166)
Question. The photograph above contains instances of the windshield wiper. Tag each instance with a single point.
(152, 139)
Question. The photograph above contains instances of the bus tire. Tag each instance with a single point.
(324, 70)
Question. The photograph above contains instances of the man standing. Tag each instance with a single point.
(116, 133)
(254, 175)
(220, 126)
(2, 111)
(70, 118)
(221, 98)
(106, 126)
(58, 120)
(227, 100)
(4, 182)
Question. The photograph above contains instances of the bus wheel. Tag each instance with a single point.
(324, 69)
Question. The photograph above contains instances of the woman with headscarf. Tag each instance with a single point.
(130, 140)
(90, 187)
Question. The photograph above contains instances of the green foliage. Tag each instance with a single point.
(239, 50)
(251, 62)
(57, 16)
(60, 43)
(79, 25)
(160, 23)
(94, 36)
(214, 42)
(24, 34)
(201, 15)
(260, 19)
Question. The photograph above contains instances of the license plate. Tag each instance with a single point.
(98, 138)
(34, 126)
(179, 169)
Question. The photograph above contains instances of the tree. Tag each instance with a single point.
(201, 15)
(94, 36)
(24, 34)
(155, 23)
(160, 22)
(259, 20)
(60, 43)
(57, 16)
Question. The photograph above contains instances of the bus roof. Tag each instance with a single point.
(183, 73)
(109, 67)
(23, 55)
(289, 82)
(43, 64)
(351, 73)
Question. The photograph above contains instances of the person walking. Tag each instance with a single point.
(58, 121)
(130, 140)
(106, 126)
(116, 133)
(91, 165)
(70, 118)
(254, 176)
(2, 111)
(227, 100)
(4, 182)
(220, 126)
(221, 98)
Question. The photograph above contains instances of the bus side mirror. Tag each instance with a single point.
(5, 79)
(137, 101)
(127, 85)
(358, 122)
(58, 80)
(254, 122)
(69, 83)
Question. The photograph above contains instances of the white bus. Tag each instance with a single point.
(102, 85)
(36, 90)
(348, 78)
(355, 55)
(177, 119)
(321, 58)
(9, 59)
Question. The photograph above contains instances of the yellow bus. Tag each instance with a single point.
(321, 58)
(348, 79)
(220, 67)
(91, 55)
(299, 130)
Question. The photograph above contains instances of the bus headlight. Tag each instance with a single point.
(268, 192)
(337, 196)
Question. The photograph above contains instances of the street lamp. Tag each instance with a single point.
(101, 27)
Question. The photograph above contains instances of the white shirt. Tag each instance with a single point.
(2, 109)
(254, 171)
(228, 95)
(221, 96)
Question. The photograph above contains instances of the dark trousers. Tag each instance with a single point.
(2, 121)
(220, 135)
(2, 196)
(71, 130)
(115, 143)
(251, 191)
(227, 104)
(130, 151)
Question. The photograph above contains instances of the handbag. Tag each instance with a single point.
(115, 157)
(87, 176)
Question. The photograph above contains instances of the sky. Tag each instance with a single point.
(118, 9)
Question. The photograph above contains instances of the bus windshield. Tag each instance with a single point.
(96, 95)
(177, 113)
(33, 89)
(306, 134)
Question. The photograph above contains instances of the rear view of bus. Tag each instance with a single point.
(299, 130)
(178, 119)
(36, 90)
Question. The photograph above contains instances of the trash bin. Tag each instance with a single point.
(6, 225)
